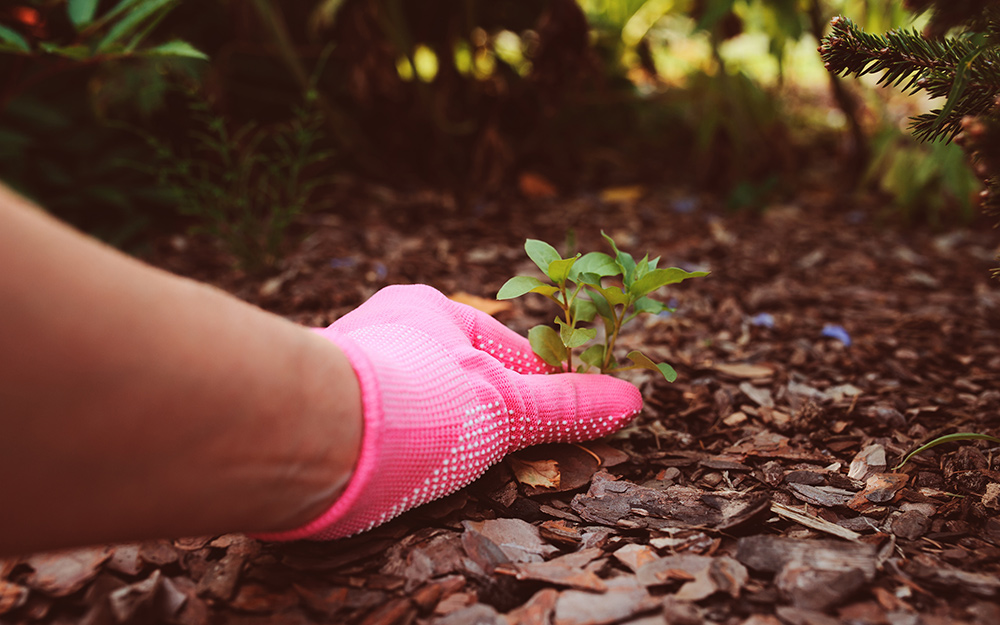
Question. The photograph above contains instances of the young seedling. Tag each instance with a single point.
(577, 287)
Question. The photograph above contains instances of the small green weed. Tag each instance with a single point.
(577, 287)
(245, 187)
(947, 438)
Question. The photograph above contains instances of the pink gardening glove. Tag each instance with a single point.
(445, 396)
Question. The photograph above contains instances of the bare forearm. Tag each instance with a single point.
(140, 404)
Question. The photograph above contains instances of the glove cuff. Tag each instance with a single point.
(368, 458)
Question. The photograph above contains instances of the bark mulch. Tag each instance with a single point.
(759, 489)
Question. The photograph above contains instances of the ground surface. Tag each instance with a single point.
(757, 489)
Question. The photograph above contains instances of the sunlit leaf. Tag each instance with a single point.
(613, 295)
(661, 277)
(575, 337)
(13, 40)
(559, 269)
(642, 361)
(642, 268)
(624, 260)
(132, 21)
(518, 286)
(541, 253)
(177, 48)
(594, 264)
(547, 345)
(81, 12)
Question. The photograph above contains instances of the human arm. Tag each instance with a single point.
(138, 404)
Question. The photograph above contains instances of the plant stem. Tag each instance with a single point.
(610, 343)
(567, 312)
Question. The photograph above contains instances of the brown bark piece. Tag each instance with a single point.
(12, 596)
(704, 575)
(125, 559)
(62, 573)
(565, 570)
(623, 598)
(538, 609)
(635, 556)
(619, 503)
(880, 489)
(135, 599)
(910, 525)
(519, 540)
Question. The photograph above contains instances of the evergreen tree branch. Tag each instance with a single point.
(962, 69)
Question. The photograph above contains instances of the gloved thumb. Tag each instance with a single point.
(572, 407)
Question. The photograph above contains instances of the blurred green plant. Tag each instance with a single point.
(577, 288)
(245, 186)
(956, 60)
(60, 35)
(53, 151)
(69, 67)
(121, 30)
(927, 182)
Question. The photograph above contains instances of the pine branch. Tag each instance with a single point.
(962, 69)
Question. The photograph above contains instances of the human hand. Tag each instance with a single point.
(448, 391)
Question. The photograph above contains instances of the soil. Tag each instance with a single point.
(759, 488)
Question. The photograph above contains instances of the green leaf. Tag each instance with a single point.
(520, 285)
(81, 12)
(559, 269)
(132, 21)
(594, 355)
(604, 310)
(77, 53)
(661, 277)
(583, 310)
(624, 260)
(575, 337)
(541, 253)
(13, 40)
(613, 295)
(176, 48)
(643, 362)
(593, 264)
(648, 305)
(642, 268)
(547, 345)
(947, 438)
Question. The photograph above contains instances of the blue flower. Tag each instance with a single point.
(834, 331)
(762, 320)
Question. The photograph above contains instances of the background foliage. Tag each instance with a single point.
(104, 106)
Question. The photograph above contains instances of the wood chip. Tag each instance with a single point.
(12, 596)
(623, 598)
(565, 570)
(880, 489)
(519, 540)
(813, 522)
(635, 556)
(619, 503)
(62, 573)
(744, 371)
